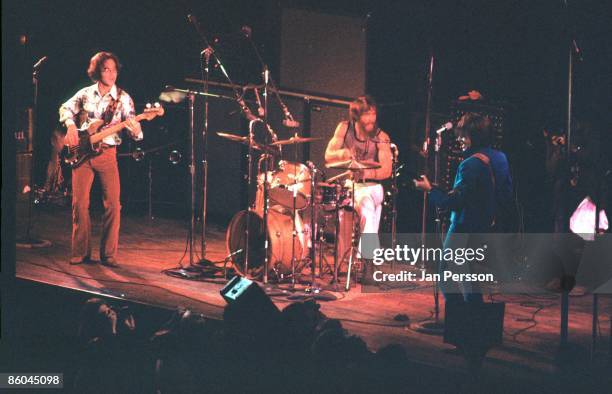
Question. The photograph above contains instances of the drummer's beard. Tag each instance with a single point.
(369, 128)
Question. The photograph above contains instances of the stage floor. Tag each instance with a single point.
(147, 247)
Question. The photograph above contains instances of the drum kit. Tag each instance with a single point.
(282, 237)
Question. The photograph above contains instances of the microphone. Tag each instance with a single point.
(260, 109)
(194, 21)
(291, 123)
(445, 126)
(40, 62)
(288, 121)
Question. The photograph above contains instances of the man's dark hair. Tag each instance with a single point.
(97, 62)
(477, 127)
(360, 105)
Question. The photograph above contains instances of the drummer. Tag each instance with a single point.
(361, 139)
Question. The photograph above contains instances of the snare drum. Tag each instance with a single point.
(327, 194)
(330, 196)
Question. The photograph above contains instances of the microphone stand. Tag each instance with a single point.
(194, 271)
(28, 241)
(206, 53)
(573, 51)
(434, 327)
(269, 82)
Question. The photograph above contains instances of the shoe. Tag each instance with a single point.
(109, 262)
(80, 260)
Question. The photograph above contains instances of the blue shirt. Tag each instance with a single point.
(477, 198)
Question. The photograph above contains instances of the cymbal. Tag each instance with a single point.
(233, 137)
(244, 141)
(296, 140)
(354, 165)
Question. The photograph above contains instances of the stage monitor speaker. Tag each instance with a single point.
(322, 53)
(246, 295)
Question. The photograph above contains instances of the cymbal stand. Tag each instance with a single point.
(353, 248)
(249, 182)
(313, 234)
(394, 191)
(293, 213)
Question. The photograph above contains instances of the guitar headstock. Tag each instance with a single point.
(151, 111)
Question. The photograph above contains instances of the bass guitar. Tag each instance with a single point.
(92, 134)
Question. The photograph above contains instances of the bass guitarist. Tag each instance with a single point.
(102, 101)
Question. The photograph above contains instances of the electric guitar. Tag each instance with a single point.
(92, 134)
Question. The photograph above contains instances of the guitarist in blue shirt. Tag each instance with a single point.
(481, 196)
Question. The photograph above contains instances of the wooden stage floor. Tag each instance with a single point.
(531, 328)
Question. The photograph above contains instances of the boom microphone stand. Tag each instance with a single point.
(27, 241)
(206, 53)
(193, 271)
(434, 327)
(269, 82)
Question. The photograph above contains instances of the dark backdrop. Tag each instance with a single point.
(511, 51)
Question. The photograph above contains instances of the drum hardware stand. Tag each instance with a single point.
(353, 248)
(266, 77)
(265, 196)
(352, 166)
(394, 192)
(227, 260)
(313, 291)
(27, 241)
(293, 213)
(321, 244)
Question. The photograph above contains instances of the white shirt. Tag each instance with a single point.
(90, 100)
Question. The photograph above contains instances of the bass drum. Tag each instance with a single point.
(280, 228)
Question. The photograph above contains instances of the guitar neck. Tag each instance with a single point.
(112, 129)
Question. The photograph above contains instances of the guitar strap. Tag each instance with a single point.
(109, 114)
(487, 162)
